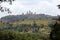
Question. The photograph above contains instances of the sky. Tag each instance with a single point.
(18, 7)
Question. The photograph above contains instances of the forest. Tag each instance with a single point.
(25, 31)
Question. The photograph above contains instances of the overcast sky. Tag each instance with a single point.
(40, 6)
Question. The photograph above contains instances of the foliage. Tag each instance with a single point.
(5, 9)
(24, 31)
(26, 26)
(55, 33)
(11, 35)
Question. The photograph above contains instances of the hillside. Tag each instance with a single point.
(29, 16)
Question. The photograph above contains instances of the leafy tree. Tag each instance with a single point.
(58, 6)
(12, 35)
(55, 33)
(4, 9)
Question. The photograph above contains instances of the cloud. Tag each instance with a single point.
(39, 6)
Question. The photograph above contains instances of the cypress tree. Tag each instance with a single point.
(55, 33)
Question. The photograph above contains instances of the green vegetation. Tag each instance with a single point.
(10, 35)
(55, 33)
(25, 30)
(30, 26)
(38, 22)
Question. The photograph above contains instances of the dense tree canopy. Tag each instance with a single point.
(55, 33)
(11, 35)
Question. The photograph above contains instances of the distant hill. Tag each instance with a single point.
(27, 17)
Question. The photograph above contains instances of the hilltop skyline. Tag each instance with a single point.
(18, 7)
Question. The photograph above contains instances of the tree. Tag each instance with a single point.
(6, 1)
(58, 6)
(34, 25)
(5, 9)
(55, 33)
